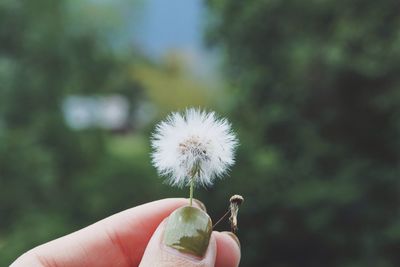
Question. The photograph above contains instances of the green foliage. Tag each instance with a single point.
(318, 106)
(44, 166)
(170, 87)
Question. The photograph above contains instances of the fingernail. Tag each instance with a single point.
(188, 230)
(234, 237)
(200, 204)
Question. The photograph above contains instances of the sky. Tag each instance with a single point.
(177, 26)
(171, 25)
(156, 28)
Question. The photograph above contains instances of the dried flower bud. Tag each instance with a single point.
(235, 202)
(238, 199)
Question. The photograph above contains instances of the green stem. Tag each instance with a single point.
(195, 171)
(191, 190)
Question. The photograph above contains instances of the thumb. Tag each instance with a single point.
(183, 239)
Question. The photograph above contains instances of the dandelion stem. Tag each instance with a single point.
(191, 190)
(195, 171)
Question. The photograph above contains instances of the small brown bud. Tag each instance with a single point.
(238, 199)
(235, 201)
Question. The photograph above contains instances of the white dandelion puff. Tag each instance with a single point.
(193, 147)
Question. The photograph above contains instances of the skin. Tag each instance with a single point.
(122, 240)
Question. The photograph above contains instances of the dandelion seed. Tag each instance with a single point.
(193, 148)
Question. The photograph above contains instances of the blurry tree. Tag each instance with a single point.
(46, 169)
(318, 102)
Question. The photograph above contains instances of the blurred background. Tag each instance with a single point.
(312, 89)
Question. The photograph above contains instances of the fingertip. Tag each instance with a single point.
(233, 236)
(228, 249)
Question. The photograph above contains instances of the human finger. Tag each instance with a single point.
(119, 240)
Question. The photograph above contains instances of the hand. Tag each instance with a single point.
(131, 238)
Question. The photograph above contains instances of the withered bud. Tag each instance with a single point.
(237, 199)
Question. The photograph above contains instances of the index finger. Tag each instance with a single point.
(119, 240)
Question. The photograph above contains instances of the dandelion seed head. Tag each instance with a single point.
(193, 143)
